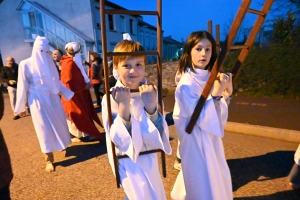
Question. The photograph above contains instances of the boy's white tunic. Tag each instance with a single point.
(205, 173)
(48, 116)
(140, 177)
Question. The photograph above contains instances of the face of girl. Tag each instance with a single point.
(201, 53)
(131, 71)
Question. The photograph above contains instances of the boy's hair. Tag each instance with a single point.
(194, 38)
(127, 46)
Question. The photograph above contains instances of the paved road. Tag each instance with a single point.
(259, 166)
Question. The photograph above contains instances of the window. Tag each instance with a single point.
(147, 41)
(142, 38)
(97, 18)
(111, 22)
(29, 25)
(37, 22)
(131, 26)
(122, 24)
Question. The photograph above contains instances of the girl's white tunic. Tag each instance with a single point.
(205, 173)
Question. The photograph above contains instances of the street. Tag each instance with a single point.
(259, 166)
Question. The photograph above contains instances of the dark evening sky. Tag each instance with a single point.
(181, 17)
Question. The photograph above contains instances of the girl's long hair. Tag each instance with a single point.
(194, 38)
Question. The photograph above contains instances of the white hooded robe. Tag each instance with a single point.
(205, 173)
(41, 85)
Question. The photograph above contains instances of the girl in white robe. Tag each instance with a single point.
(205, 173)
(137, 126)
(38, 81)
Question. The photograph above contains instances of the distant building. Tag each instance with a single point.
(170, 48)
(63, 21)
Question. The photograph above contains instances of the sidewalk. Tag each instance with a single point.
(259, 116)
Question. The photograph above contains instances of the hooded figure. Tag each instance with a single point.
(80, 109)
(38, 81)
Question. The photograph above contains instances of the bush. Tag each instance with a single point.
(270, 71)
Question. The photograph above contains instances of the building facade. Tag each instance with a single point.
(63, 21)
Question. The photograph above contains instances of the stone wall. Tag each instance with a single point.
(168, 75)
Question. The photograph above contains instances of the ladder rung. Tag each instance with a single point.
(239, 47)
(138, 53)
(142, 153)
(131, 12)
(256, 12)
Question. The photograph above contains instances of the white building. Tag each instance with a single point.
(63, 21)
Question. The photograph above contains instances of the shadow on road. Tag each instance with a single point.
(169, 119)
(260, 168)
(83, 152)
(288, 195)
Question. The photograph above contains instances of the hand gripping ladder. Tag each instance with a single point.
(158, 53)
(244, 8)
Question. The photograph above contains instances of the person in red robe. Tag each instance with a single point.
(79, 109)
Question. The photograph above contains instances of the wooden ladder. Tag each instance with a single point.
(158, 53)
(244, 8)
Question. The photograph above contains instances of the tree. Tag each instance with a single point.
(283, 29)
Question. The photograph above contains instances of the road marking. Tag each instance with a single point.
(251, 104)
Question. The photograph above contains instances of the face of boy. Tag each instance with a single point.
(131, 71)
(201, 53)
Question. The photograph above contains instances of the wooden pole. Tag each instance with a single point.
(106, 76)
(209, 26)
(159, 73)
(218, 38)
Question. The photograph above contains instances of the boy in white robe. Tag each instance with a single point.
(205, 173)
(38, 80)
(137, 126)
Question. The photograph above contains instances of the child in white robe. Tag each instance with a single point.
(205, 173)
(137, 126)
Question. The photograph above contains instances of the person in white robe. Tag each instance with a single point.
(38, 80)
(205, 173)
(137, 126)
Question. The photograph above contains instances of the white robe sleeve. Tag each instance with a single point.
(65, 92)
(143, 132)
(187, 99)
(155, 137)
(119, 134)
(22, 88)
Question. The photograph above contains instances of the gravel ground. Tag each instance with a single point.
(259, 166)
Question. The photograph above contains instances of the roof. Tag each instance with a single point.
(143, 23)
(57, 19)
(117, 7)
(170, 40)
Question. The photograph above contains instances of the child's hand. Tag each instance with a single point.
(222, 84)
(228, 91)
(122, 96)
(149, 95)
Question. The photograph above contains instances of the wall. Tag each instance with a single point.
(12, 42)
(11, 34)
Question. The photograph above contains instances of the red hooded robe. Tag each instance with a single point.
(79, 109)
